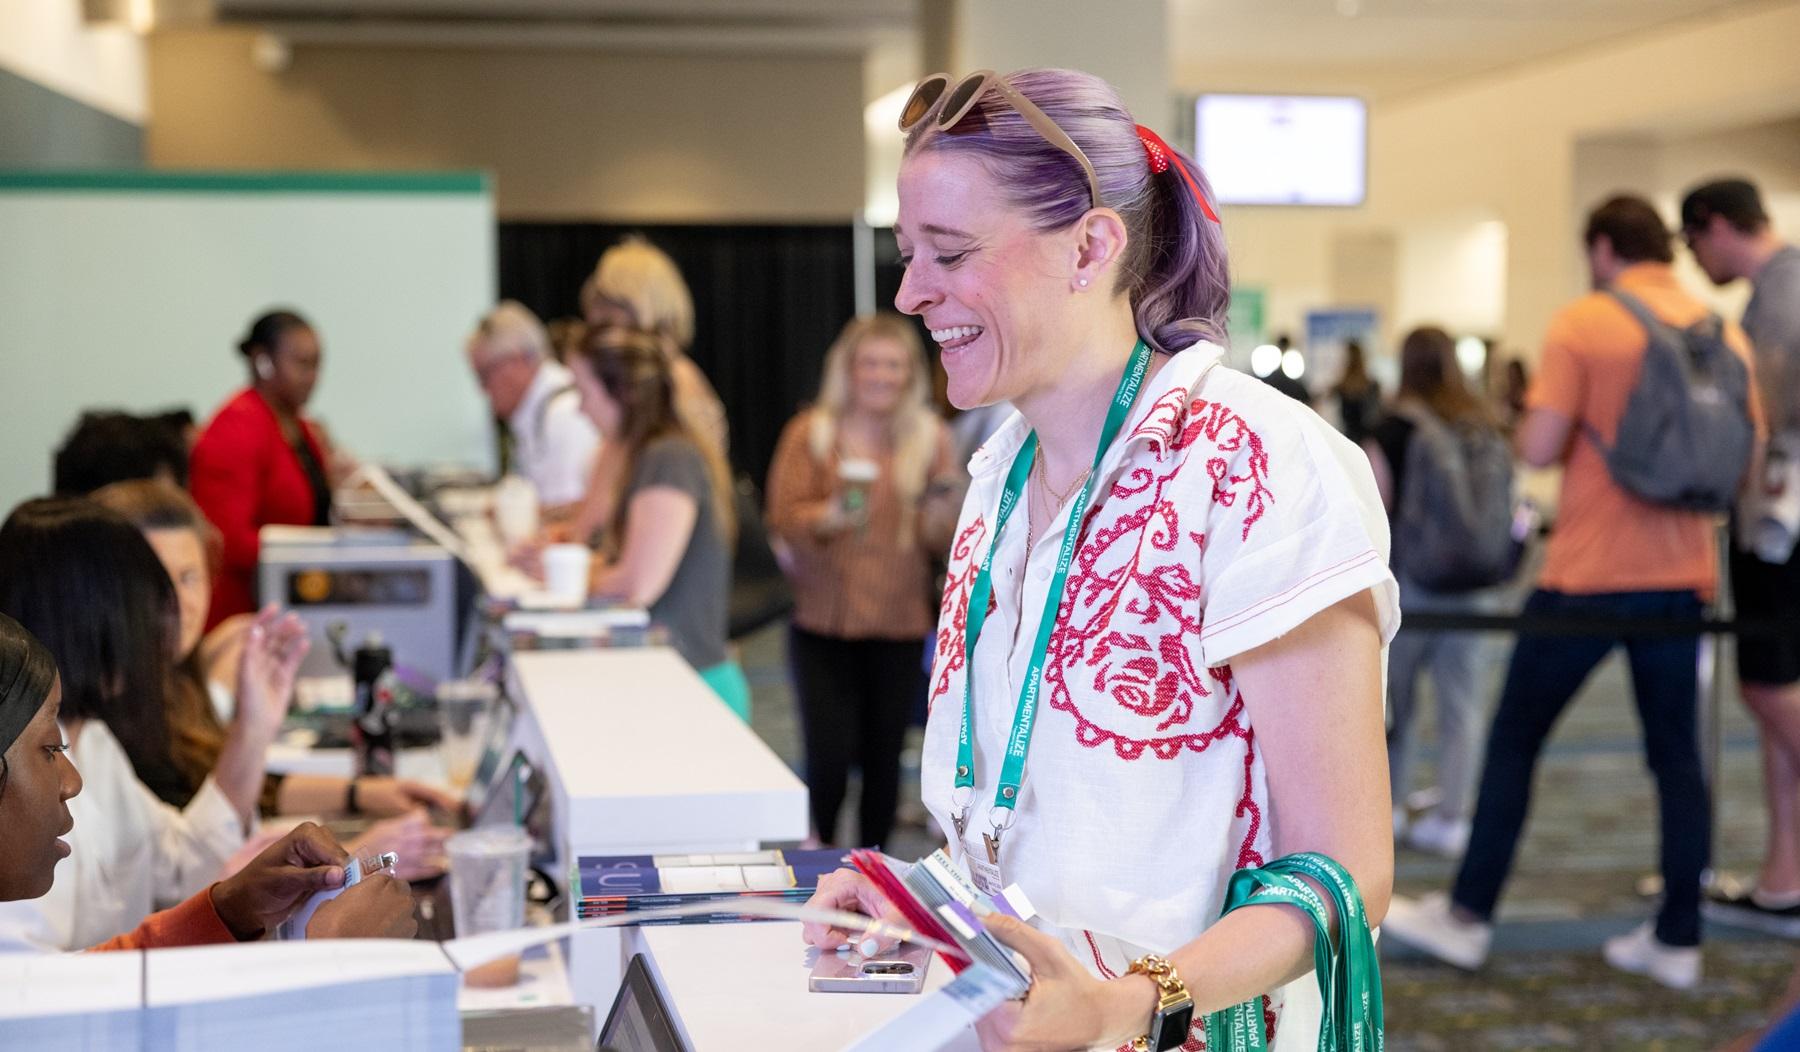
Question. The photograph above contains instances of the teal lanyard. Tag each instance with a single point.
(1349, 978)
(1012, 770)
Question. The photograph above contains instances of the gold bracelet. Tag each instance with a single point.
(1174, 1014)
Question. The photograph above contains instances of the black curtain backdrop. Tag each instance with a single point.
(767, 302)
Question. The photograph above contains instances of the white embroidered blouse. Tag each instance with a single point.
(1224, 515)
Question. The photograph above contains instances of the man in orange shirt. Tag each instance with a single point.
(1611, 555)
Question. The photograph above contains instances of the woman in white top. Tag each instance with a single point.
(85, 582)
(1211, 688)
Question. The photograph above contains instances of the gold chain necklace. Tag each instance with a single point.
(1044, 477)
(1050, 494)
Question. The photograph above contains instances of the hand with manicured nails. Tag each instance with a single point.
(846, 889)
(279, 880)
(1067, 1008)
(378, 907)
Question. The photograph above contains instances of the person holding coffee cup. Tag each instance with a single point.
(863, 488)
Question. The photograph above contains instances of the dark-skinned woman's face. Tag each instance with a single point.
(294, 366)
(34, 804)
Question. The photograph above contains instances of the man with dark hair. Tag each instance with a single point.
(1611, 555)
(109, 446)
(1727, 228)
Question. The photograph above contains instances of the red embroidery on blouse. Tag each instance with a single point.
(953, 610)
(1230, 434)
(1099, 962)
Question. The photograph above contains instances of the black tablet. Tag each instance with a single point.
(640, 1020)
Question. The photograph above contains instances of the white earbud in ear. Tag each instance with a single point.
(263, 369)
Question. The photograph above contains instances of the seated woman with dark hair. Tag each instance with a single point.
(107, 446)
(84, 581)
(37, 781)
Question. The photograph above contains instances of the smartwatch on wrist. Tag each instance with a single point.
(1174, 1014)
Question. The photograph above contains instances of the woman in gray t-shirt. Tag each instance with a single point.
(668, 546)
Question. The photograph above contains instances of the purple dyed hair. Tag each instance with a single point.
(1174, 268)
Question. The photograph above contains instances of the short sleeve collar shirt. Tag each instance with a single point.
(1223, 516)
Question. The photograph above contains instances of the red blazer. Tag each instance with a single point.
(193, 923)
(245, 476)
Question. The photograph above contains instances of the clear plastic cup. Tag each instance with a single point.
(463, 706)
(487, 891)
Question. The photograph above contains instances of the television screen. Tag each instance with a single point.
(1282, 149)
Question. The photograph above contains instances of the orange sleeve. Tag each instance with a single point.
(193, 923)
(1561, 382)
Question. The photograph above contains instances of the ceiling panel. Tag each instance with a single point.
(1389, 46)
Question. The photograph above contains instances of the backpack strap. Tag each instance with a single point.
(1654, 327)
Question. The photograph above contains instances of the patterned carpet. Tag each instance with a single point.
(1590, 842)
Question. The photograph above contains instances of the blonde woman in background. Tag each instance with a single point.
(635, 285)
(862, 490)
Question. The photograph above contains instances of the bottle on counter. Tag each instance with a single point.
(372, 719)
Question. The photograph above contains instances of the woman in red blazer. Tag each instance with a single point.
(260, 462)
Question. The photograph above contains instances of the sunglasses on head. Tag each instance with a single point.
(959, 100)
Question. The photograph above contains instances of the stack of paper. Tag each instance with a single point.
(395, 995)
(619, 884)
(71, 1002)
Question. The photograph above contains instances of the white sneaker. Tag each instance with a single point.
(1428, 924)
(1425, 799)
(1640, 953)
(1440, 836)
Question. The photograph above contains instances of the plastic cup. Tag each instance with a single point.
(462, 706)
(487, 891)
(566, 572)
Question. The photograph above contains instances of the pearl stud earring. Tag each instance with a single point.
(1082, 282)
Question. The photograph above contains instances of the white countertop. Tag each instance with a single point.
(649, 759)
(740, 986)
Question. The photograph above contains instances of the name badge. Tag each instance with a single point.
(983, 872)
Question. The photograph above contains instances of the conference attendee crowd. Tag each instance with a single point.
(143, 681)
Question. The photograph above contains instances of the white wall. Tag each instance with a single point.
(1505, 146)
(136, 300)
(47, 41)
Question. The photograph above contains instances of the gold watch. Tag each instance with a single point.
(1174, 1014)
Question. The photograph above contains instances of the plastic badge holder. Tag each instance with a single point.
(354, 870)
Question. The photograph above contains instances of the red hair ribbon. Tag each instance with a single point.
(1161, 157)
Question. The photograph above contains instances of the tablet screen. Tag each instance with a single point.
(640, 1020)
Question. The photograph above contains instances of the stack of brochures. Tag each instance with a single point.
(617, 884)
(395, 995)
(939, 902)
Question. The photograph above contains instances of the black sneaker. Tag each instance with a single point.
(1739, 909)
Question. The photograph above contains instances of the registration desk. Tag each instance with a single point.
(743, 986)
(642, 758)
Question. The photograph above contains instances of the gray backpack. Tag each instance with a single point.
(1685, 438)
(1453, 529)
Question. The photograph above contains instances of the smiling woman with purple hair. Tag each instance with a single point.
(1159, 651)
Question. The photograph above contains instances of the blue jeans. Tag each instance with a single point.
(1544, 674)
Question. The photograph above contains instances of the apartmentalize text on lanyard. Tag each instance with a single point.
(1012, 770)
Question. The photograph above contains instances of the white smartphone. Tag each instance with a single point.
(900, 971)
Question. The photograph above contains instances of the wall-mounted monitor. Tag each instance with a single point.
(1283, 149)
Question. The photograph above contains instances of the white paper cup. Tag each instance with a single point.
(566, 572)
